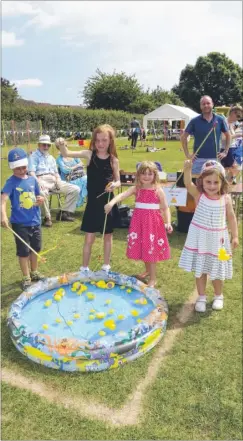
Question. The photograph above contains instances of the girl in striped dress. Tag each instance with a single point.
(207, 250)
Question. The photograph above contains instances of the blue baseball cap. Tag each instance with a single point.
(17, 158)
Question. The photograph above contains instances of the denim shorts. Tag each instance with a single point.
(198, 163)
(31, 235)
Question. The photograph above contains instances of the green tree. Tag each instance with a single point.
(111, 91)
(161, 96)
(214, 75)
(9, 92)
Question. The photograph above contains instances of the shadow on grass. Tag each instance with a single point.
(174, 321)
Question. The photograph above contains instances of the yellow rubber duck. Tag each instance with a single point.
(101, 284)
(122, 287)
(129, 290)
(121, 317)
(91, 317)
(57, 297)
(102, 333)
(92, 310)
(107, 302)
(141, 301)
(69, 322)
(58, 320)
(90, 296)
(110, 324)
(45, 326)
(75, 286)
(61, 292)
(134, 312)
(76, 316)
(82, 288)
(48, 303)
(223, 255)
(111, 311)
(100, 315)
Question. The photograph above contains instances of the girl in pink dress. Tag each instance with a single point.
(147, 239)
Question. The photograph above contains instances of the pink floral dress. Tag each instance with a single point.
(147, 239)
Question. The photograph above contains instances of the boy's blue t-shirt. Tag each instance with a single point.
(22, 194)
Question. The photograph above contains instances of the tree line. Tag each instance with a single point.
(214, 74)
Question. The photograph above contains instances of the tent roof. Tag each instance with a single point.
(170, 111)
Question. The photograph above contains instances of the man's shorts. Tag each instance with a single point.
(198, 163)
(31, 235)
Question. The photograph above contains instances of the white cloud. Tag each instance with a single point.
(69, 89)
(11, 9)
(29, 82)
(152, 39)
(9, 40)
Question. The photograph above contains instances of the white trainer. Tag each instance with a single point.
(200, 305)
(106, 268)
(85, 271)
(218, 303)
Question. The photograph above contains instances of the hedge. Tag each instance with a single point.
(68, 119)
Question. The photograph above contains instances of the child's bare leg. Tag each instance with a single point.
(218, 301)
(33, 262)
(152, 274)
(107, 248)
(146, 272)
(24, 266)
(88, 242)
(218, 287)
(201, 283)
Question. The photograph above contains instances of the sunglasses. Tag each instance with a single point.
(45, 145)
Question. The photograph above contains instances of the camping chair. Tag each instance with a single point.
(157, 163)
(59, 197)
(59, 201)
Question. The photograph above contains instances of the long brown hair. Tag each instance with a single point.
(104, 128)
(224, 187)
(147, 165)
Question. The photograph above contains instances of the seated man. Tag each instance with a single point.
(43, 166)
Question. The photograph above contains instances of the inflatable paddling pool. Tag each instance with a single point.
(82, 324)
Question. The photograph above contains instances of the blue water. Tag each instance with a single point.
(35, 313)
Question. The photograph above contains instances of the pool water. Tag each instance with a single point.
(75, 315)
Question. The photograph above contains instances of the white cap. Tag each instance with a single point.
(44, 139)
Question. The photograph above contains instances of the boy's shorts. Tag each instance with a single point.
(31, 235)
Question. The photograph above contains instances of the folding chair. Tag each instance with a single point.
(59, 203)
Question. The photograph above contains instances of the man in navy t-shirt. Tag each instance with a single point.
(200, 127)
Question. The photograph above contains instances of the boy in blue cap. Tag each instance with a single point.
(24, 194)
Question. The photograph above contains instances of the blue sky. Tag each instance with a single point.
(50, 49)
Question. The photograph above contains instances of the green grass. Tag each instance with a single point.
(198, 391)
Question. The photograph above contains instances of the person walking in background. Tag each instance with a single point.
(135, 131)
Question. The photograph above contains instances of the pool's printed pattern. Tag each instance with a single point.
(71, 354)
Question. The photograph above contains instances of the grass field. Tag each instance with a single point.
(197, 390)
